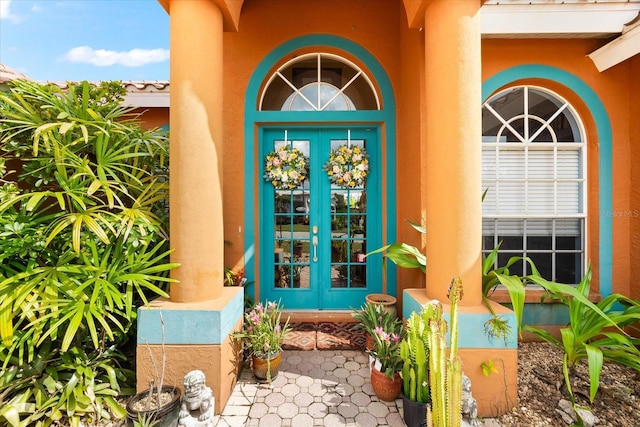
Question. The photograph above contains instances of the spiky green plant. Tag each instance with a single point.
(414, 351)
(445, 372)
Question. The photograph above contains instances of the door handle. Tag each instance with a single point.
(314, 241)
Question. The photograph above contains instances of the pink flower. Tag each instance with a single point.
(378, 330)
(395, 338)
(254, 317)
(271, 305)
(259, 308)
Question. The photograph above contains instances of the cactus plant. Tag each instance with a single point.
(414, 351)
(445, 372)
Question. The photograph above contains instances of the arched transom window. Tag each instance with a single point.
(319, 82)
(533, 169)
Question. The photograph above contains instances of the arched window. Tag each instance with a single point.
(319, 82)
(533, 171)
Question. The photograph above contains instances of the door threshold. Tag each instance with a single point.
(317, 316)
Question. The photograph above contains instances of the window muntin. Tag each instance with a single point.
(533, 163)
(319, 82)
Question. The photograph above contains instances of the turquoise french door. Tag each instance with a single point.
(314, 238)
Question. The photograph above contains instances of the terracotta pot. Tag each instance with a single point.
(387, 389)
(260, 366)
(370, 342)
(388, 302)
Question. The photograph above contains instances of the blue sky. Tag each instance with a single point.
(72, 40)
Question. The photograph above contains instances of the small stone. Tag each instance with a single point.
(568, 419)
(587, 417)
(491, 422)
(566, 407)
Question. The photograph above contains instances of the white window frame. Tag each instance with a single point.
(318, 83)
(504, 173)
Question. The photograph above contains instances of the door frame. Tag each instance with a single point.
(254, 119)
(321, 295)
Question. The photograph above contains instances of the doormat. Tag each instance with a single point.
(325, 336)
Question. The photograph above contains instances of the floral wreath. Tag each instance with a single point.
(285, 168)
(348, 166)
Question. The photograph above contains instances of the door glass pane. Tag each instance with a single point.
(291, 230)
(348, 232)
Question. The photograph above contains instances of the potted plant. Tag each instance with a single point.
(159, 405)
(263, 333)
(414, 351)
(370, 316)
(385, 372)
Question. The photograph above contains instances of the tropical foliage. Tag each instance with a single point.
(264, 330)
(386, 347)
(595, 331)
(403, 254)
(83, 220)
(371, 316)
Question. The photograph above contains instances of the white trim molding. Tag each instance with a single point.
(619, 49)
(557, 19)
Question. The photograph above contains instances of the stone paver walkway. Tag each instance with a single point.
(313, 388)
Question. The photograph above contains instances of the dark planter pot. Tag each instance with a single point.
(165, 416)
(415, 414)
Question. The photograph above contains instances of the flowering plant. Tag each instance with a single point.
(348, 166)
(285, 167)
(263, 329)
(386, 349)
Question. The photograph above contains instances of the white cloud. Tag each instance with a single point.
(106, 58)
(4, 9)
(35, 8)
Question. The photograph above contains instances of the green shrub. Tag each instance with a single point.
(83, 242)
(595, 331)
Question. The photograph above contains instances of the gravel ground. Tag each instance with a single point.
(541, 387)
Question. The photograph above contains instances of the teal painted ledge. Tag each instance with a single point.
(471, 332)
(209, 322)
(544, 314)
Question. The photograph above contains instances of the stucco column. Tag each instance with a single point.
(453, 148)
(196, 150)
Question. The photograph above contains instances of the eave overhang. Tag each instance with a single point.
(230, 12)
(556, 19)
(619, 49)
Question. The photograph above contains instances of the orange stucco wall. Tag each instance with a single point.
(152, 118)
(220, 363)
(383, 31)
(634, 159)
